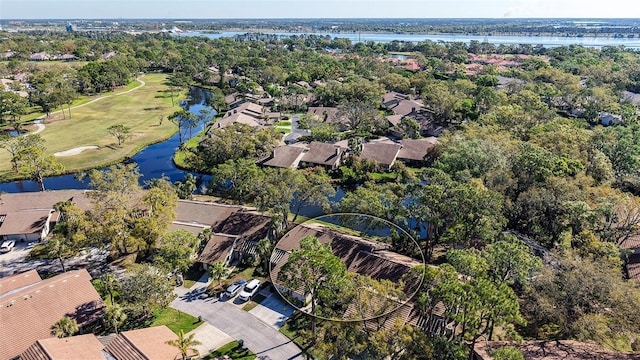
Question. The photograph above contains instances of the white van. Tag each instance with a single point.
(249, 290)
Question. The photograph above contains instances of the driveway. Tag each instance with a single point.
(273, 311)
(15, 262)
(265, 341)
(295, 131)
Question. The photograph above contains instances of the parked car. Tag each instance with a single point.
(7, 246)
(234, 288)
(249, 290)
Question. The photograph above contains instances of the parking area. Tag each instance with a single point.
(273, 311)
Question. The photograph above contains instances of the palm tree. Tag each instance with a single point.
(218, 270)
(64, 327)
(263, 249)
(185, 344)
(110, 285)
(115, 316)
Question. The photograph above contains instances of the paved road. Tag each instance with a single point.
(262, 339)
(295, 131)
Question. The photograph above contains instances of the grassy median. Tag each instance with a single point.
(140, 109)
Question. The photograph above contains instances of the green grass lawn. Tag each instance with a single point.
(283, 130)
(283, 123)
(175, 320)
(234, 351)
(140, 110)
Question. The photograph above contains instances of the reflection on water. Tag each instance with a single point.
(153, 161)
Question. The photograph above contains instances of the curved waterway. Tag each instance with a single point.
(154, 161)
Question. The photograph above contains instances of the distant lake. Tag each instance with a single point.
(546, 41)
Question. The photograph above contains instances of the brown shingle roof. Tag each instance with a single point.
(394, 119)
(382, 153)
(354, 251)
(285, 157)
(406, 107)
(17, 281)
(42, 200)
(552, 350)
(322, 154)
(144, 344)
(25, 222)
(416, 149)
(328, 114)
(28, 313)
(393, 96)
(203, 213)
(217, 249)
(249, 225)
(247, 113)
(81, 347)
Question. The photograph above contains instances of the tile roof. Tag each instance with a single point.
(322, 154)
(144, 344)
(382, 153)
(81, 347)
(29, 312)
(203, 213)
(17, 281)
(285, 157)
(393, 96)
(416, 149)
(631, 243)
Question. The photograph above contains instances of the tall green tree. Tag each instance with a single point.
(36, 164)
(314, 269)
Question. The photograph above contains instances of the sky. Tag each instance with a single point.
(212, 9)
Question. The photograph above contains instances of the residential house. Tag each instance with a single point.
(322, 154)
(145, 344)
(383, 153)
(41, 56)
(392, 99)
(235, 238)
(30, 216)
(141, 344)
(287, 156)
(27, 225)
(414, 151)
(360, 255)
(80, 347)
(28, 312)
(195, 216)
(325, 114)
(248, 113)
